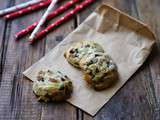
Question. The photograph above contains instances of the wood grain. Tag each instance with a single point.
(151, 16)
(3, 43)
(53, 111)
(18, 101)
(139, 99)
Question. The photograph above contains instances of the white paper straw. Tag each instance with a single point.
(19, 6)
(43, 19)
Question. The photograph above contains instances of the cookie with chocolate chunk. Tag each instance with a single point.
(52, 86)
(99, 70)
(76, 52)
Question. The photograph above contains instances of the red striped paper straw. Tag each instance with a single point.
(19, 6)
(53, 14)
(67, 17)
(43, 19)
(27, 10)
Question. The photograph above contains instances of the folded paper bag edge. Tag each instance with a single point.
(106, 7)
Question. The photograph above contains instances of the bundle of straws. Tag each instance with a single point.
(33, 5)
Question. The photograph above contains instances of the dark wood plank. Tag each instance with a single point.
(3, 49)
(3, 42)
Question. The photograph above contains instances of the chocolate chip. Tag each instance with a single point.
(47, 96)
(76, 55)
(62, 79)
(97, 70)
(40, 78)
(87, 45)
(72, 51)
(90, 62)
(97, 55)
(66, 76)
(90, 73)
(76, 63)
(108, 64)
(93, 61)
(76, 50)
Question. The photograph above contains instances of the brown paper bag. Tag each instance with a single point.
(125, 39)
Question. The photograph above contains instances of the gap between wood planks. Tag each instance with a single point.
(5, 39)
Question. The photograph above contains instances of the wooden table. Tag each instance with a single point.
(139, 99)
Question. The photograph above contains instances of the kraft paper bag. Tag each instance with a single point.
(126, 40)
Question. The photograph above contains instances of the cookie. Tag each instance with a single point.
(99, 70)
(76, 52)
(52, 86)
